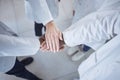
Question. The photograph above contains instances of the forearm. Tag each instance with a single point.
(94, 28)
(17, 46)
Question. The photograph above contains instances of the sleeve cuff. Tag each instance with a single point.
(67, 39)
(47, 20)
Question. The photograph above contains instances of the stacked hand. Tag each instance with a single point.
(52, 40)
(52, 37)
(44, 44)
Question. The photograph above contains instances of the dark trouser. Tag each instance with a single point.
(86, 48)
(19, 70)
(38, 29)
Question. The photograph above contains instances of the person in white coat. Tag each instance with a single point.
(83, 8)
(80, 9)
(84, 30)
(39, 11)
(11, 46)
(44, 11)
(96, 27)
(34, 13)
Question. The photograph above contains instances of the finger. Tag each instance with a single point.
(61, 48)
(50, 43)
(60, 36)
(45, 48)
(57, 44)
(53, 44)
(42, 45)
(46, 39)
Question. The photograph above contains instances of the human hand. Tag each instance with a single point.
(42, 39)
(44, 45)
(52, 37)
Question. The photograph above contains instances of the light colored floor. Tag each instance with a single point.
(49, 66)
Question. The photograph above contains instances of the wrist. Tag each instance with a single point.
(49, 24)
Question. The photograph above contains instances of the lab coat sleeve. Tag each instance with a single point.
(95, 27)
(40, 11)
(17, 46)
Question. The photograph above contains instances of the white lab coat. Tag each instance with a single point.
(101, 13)
(104, 16)
(97, 25)
(12, 46)
(104, 64)
(41, 11)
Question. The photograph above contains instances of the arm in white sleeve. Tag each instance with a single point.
(95, 27)
(41, 11)
(17, 46)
